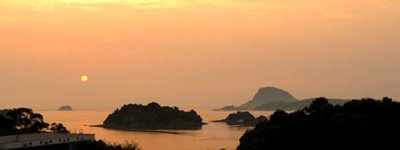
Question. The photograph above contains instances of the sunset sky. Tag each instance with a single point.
(195, 53)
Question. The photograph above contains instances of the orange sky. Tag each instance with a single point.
(195, 53)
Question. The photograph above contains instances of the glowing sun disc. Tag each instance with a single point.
(84, 78)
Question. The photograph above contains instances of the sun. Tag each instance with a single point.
(84, 78)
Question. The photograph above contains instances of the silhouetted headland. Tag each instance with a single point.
(152, 116)
(242, 119)
(266, 95)
(271, 98)
(357, 124)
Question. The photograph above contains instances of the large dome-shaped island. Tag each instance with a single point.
(152, 116)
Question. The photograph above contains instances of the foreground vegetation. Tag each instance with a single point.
(25, 121)
(357, 124)
(89, 145)
(101, 145)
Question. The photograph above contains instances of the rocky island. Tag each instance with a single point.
(65, 108)
(242, 119)
(152, 116)
(267, 95)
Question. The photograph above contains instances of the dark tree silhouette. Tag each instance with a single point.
(4, 123)
(25, 120)
(5, 126)
(58, 128)
(357, 124)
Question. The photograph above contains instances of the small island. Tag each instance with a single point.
(152, 116)
(242, 119)
(65, 108)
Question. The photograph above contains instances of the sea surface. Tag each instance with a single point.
(213, 136)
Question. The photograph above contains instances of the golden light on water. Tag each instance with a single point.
(84, 78)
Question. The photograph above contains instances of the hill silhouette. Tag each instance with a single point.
(357, 124)
(266, 95)
(271, 98)
(272, 106)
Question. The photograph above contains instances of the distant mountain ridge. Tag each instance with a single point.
(272, 98)
(295, 105)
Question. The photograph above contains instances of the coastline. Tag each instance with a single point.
(159, 130)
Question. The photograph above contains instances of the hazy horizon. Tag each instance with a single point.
(193, 53)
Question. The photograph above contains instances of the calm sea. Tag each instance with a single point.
(213, 136)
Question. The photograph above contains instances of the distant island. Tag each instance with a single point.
(267, 95)
(65, 108)
(272, 98)
(358, 124)
(242, 119)
(152, 116)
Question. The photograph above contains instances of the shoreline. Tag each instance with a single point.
(174, 131)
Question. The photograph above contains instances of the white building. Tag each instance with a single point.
(41, 139)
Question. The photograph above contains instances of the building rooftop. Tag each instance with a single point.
(41, 139)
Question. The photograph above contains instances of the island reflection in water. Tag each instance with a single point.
(211, 136)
